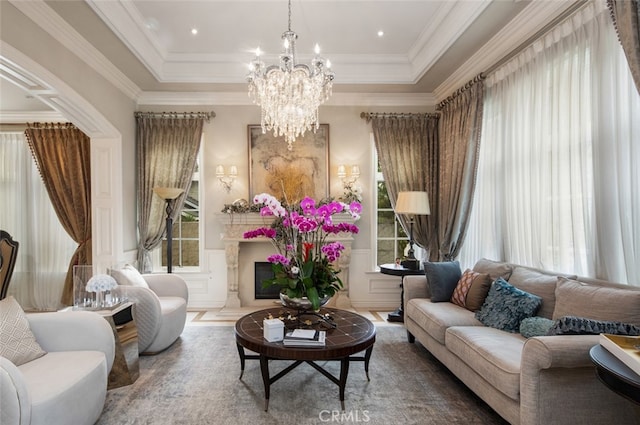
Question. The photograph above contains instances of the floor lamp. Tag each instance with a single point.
(168, 194)
(412, 204)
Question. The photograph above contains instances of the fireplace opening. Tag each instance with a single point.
(262, 272)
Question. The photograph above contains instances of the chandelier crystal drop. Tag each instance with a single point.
(290, 93)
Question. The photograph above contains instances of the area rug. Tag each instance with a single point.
(196, 381)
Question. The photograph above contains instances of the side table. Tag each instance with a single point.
(398, 270)
(616, 375)
(126, 368)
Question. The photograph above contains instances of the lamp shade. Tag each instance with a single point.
(413, 203)
(168, 192)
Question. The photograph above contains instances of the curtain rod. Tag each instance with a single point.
(370, 115)
(539, 34)
(205, 115)
(458, 92)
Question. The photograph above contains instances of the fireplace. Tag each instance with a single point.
(239, 279)
(263, 271)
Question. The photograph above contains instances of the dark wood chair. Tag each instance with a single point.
(8, 257)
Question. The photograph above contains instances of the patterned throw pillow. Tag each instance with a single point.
(506, 306)
(17, 342)
(572, 325)
(459, 296)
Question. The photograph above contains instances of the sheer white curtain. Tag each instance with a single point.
(26, 213)
(561, 133)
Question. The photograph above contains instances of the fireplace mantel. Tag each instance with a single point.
(236, 224)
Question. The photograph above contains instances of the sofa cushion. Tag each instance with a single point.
(59, 381)
(128, 275)
(435, 318)
(540, 283)
(574, 298)
(572, 325)
(17, 342)
(506, 306)
(495, 269)
(491, 353)
(442, 278)
(535, 326)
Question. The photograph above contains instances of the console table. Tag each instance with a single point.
(398, 270)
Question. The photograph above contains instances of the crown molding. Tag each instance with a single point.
(59, 29)
(533, 18)
(435, 40)
(21, 117)
(242, 99)
(124, 19)
(126, 22)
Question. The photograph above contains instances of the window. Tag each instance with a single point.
(391, 239)
(186, 229)
(556, 185)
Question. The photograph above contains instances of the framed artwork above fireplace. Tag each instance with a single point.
(302, 171)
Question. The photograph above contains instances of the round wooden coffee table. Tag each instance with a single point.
(352, 334)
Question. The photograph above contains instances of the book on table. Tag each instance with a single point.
(625, 348)
(305, 338)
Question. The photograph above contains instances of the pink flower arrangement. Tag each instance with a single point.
(304, 264)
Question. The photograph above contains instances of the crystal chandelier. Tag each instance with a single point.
(290, 93)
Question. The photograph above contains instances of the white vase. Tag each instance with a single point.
(99, 299)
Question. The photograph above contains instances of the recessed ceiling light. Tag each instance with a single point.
(194, 31)
(380, 33)
(152, 24)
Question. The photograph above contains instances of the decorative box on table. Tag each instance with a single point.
(273, 330)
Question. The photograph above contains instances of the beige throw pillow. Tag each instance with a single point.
(17, 342)
(129, 276)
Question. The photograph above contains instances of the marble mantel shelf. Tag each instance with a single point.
(236, 224)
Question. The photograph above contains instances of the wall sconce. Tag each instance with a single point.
(169, 194)
(226, 179)
(348, 179)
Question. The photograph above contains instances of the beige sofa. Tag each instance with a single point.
(539, 380)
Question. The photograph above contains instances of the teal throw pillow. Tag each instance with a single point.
(506, 306)
(443, 278)
(535, 326)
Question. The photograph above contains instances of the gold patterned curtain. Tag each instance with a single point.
(459, 129)
(167, 146)
(63, 155)
(626, 19)
(407, 146)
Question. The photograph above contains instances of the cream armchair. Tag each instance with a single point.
(67, 385)
(160, 306)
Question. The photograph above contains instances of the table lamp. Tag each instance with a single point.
(412, 204)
